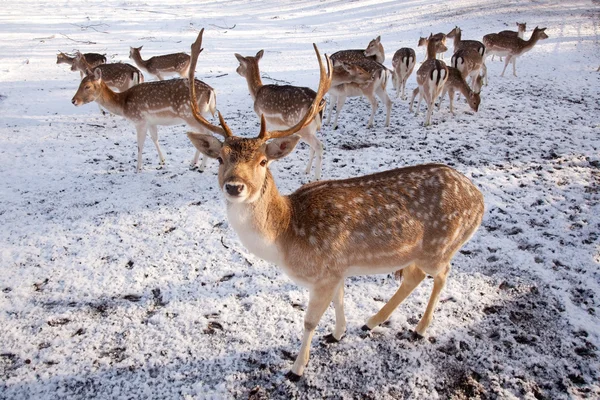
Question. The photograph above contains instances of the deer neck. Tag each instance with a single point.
(262, 224)
(136, 56)
(431, 49)
(463, 88)
(112, 101)
(254, 81)
(457, 37)
(527, 45)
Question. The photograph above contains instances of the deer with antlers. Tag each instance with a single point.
(93, 60)
(162, 66)
(283, 106)
(414, 219)
(151, 104)
(431, 77)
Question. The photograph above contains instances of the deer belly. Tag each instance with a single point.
(373, 269)
(164, 116)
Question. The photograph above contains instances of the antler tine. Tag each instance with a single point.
(196, 50)
(317, 104)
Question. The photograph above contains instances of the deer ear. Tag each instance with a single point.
(97, 74)
(259, 55)
(378, 39)
(206, 144)
(281, 147)
(240, 57)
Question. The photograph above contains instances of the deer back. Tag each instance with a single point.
(405, 57)
(283, 105)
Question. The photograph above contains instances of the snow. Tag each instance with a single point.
(123, 285)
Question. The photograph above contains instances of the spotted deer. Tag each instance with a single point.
(458, 43)
(371, 90)
(374, 51)
(470, 64)
(118, 76)
(457, 83)
(149, 105)
(512, 47)
(412, 219)
(440, 39)
(403, 64)
(162, 66)
(431, 77)
(283, 106)
(93, 59)
(521, 28)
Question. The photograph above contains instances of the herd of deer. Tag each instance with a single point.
(409, 220)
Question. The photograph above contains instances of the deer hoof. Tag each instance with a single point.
(365, 328)
(331, 339)
(293, 377)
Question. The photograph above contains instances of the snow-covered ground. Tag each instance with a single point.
(123, 285)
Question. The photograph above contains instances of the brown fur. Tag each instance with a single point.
(374, 51)
(161, 66)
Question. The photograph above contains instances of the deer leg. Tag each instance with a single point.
(154, 136)
(451, 102)
(382, 94)
(439, 281)
(514, 63)
(419, 102)
(411, 278)
(338, 109)
(141, 131)
(412, 99)
(340, 318)
(316, 148)
(373, 102)
(506, 62)
(444, 91)
(318, 301)
(331, 98)
(430, 105)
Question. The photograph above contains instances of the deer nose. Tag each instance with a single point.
(74, 101)
(234, 189)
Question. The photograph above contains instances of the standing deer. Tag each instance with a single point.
(521, 28)
(456, 34)
(161, 66)
(283, 106)
(456, 82)
(431, 77)
(375, 87)
(440, 38)
(118, 76)
(374, 51)
(93, 59)
(470, 64)
(512, 47)
(151, 104)
(414, 219)
(403, 63)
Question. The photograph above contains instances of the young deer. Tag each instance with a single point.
(456, 82)
(470, 64)
(456, 34)
(403, 64)
(375, 87)
(373, 51)
(521, 28)
(440, 38)
(151, 104)
(93, 59)
(161, 66)
(431, 77)
(512, 47)
(118, 76)
(414, 219)
(283, 106)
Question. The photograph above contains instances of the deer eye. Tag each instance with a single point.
(220, 160)
(263, 163)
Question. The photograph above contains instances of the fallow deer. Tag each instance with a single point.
(151, 104)
(456, 35)
(283, 106)
(118, 76)
(93, 59)
(373, 51)
(440, 38)
(457, 83)
(371, 90)
(521, 28)
(431, 77)
(161, 66)
(403, 63)
(470, 64)
(512, 47)
(412, 219)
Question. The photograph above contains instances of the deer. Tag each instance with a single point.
(456, 82)
(440, 38)
(118, 76)
(151, 104)
(403, 64)
(431, 77)
(93, 59)
(456, 35)
(283, 106)
(161, 66)
(412, 219)
(521, 28)
(375, 87)
(512, 47)
(470, 63)
(373, 51)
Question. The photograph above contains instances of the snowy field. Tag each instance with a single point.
(123, 285)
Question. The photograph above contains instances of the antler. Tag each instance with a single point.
(221, 130)
(316, 107)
